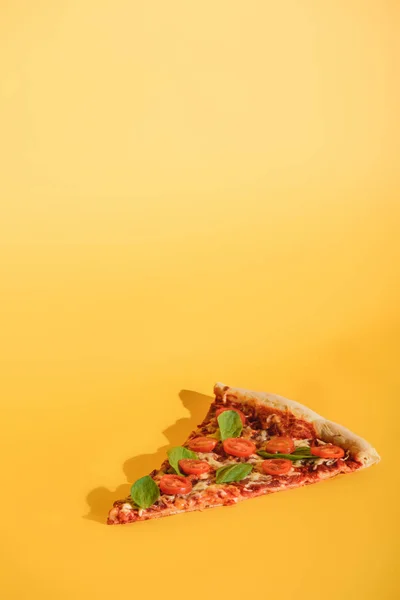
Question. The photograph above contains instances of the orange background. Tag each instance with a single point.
(192, 192)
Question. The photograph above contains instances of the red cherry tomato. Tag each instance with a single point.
(175, 484)
(276, 466)
(191, 466)
(202, 444)
(280, 444)
(239, 412)
(239, 447)
(327, 451)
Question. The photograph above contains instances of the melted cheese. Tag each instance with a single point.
(254, 459)
(210, 458)
(262, 436)
(200, 486)
(257, 476)
(302, 443)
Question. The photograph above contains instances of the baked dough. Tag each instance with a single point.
(327, 431)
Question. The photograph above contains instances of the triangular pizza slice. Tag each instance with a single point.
(249, 444)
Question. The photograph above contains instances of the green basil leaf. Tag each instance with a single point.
(145, 492)
(230, 424)
(303, 451)
(235, 472)
(289, 456)
(178, 453)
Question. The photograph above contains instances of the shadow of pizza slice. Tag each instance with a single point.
(249, 444)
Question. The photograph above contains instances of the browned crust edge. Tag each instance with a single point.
(326, 430)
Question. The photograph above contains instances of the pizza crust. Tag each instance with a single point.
(328, 431)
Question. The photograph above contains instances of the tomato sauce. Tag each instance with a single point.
(273, 420)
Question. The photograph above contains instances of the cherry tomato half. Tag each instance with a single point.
(191, 466)
(239, 447)
(281, 444)
(202, 444)
(175, 484)
(239, 412)
(327, 451)
(276, 466)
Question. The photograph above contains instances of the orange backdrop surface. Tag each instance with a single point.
(192, 192)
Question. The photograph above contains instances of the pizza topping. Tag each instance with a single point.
(258, 476)
(255, 460)
(299, 454)
(175, 484)
(212, 459)
(239, 412)
(280, 444)
(317, 462)
(194, 467)
(200, 486)
(276, 466)
(327, 451)
(235, 472)
(239, 447)
(281, 453)
(262, 435)
(230, 424)
(177, 454)
(203, 444)
(145, 492)
(302, 443)
(285, 423)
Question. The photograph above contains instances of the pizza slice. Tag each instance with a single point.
(249, 444)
